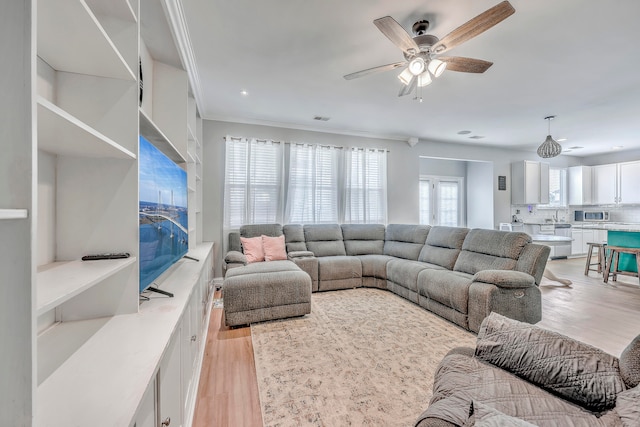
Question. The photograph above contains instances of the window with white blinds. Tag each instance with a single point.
(557, 187)
(324, 184)
(312, 195)
(441, 201)
(253, 182)
(366, 186)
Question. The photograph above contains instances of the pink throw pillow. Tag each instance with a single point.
(274, 248)
(252, 248)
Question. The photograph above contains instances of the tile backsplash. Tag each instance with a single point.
(627, 214)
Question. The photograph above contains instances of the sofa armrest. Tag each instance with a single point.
(235, 257)
(300, 254)
(505, 278)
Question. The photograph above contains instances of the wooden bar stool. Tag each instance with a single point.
(602, 258)
(612, 262)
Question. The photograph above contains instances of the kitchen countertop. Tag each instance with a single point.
(550, 239)
(613, 226)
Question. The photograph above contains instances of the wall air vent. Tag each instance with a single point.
(321, 118)
(476, 137)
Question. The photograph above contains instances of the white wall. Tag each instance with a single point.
(480, 198)
(403, 171)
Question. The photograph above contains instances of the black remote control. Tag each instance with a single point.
(94, 257)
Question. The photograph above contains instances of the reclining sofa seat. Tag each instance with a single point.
(405, 243)
(366, 242)
(336, 270)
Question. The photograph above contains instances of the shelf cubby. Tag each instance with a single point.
(14, 213)
(152, 132)
(59, 282)
(61, 133)
(59, 44)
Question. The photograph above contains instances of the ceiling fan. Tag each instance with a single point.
(422, 52)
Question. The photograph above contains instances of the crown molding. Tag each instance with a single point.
(178, 24)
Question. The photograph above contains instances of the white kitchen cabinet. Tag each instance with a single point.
(628, 183)
(169, 379)
(576, 243)
(529, 183)
(605, 184)
(587, 237)
(580, 183)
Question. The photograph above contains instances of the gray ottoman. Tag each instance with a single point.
(265, 291)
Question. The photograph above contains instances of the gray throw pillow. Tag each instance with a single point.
(630, 363)
(574, 370)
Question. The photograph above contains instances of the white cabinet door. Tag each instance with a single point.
(169, 378)
(576, 244)
(629, 178)
(580, 185)
(529, 183)
(605, 184)
(146, 416)
(587, 237)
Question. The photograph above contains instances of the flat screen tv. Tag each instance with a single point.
(164, 237)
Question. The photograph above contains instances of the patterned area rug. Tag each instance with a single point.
(362, 357)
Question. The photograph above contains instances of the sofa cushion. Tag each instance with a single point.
(490, 250)
(374, 265)
(405, 272)
(487, 416)
(574, 370)
(363, 239)
(461, 379)
(294, 237)
(443, 246)
(324, 239)
(627, 407)
(630, 363)
(257, 230)
(450, 288)
(339, 267)
(405, 240)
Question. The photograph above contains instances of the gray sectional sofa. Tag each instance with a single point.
(522, 375)
(459, 274)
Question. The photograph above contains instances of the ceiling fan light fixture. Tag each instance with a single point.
(424, 79)
(549, 148)
(417, 66)
(437, 67)
(405, 76)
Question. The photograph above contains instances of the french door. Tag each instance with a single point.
(441, 201)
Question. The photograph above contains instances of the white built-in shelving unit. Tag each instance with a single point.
(80, 339)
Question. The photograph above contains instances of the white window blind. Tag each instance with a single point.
(253, 182)
(557, 187)
(425, 201)
(312, 195)
(366, 186)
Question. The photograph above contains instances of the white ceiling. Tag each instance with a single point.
(576, 59)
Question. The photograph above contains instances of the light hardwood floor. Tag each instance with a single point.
(604, 315)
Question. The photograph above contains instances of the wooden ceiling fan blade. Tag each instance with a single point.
(475, 26)
(398, 36)
(378, 69)
(407, 89)
(465, 65)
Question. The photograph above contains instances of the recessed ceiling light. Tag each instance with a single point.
(561, 139)
(617, 147)
(568, 150)
(576, 147)
(244, 92)
(464, 132)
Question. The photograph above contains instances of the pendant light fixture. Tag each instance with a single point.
(550, 147)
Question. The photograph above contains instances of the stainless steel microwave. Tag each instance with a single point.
(591, 216)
